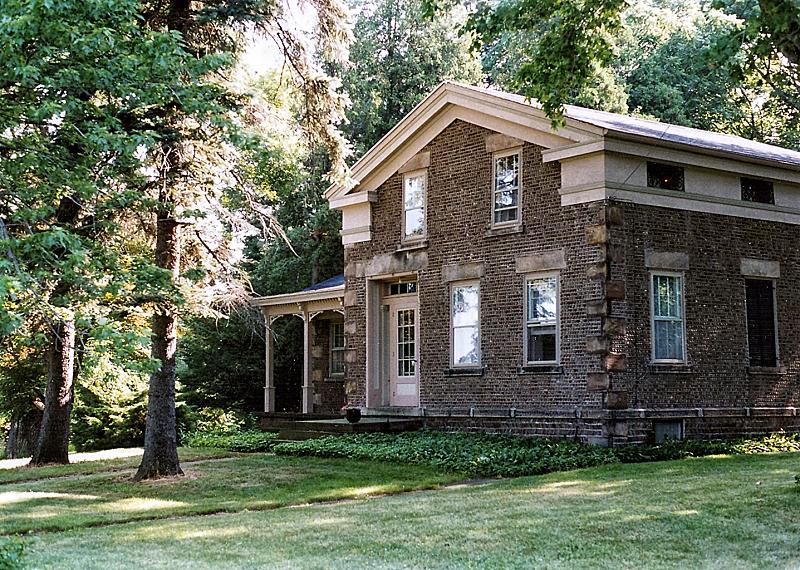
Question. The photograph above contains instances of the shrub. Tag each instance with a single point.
(245, 441)
(12, 551)
(508, 456)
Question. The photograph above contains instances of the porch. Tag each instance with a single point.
(320, 309)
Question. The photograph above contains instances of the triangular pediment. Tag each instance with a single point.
(500, 112)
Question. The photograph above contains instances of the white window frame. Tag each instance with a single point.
(422, 173)
(774, 315)
(651, 292)
(495, 156)
(453, 286)
(332, 349)
(526, 324)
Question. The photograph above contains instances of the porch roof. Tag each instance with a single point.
(329, 290)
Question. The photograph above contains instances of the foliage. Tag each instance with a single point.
(469, 454)
(396, 59)
(245, 441)
(218, 421)
(509, 456)
(12, 553)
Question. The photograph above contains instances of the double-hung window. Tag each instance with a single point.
(668, 324)
(506, 187)
(414, 190)
(465, 325)
(337, 348)
(541, 319)
(762, 337)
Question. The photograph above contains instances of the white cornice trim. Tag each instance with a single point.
(677, 200)
(353, 199)
(512, 116)
(299, 297)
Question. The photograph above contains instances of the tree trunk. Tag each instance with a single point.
(160, 457)
(23, 434)
(53, 443)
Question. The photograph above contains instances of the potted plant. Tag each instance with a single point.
(351, 413)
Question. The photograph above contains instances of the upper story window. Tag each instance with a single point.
(337, 348)
(668, 324)
(465, 345)
(506, 187)
(762, 337)
(761, 191)
(414, 189)
(665, 176)
(541, 319)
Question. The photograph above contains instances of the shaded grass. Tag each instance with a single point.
(714, 512)
(253, 482)
(84, 464)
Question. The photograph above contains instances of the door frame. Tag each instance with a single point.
(395, 304)
(377, 381)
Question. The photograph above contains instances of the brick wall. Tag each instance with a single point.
(716, 333)
(458, 217)
(328, 392)
(562, 404)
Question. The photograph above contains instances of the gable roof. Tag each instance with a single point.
(581, 126)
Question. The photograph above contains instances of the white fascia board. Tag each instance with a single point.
(299, 297)
(352, 199)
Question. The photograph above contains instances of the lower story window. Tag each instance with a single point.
(337, 349)
(465, 324)
(541, 326)
(668, 322)
(761, 333)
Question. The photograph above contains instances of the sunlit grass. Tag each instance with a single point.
(245, 482)
(16, 470)
(739, 512)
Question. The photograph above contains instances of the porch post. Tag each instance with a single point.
(308, 391)
(269, 383)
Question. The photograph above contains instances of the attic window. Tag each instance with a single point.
(761, 191)
(505, 195)
(664, 176)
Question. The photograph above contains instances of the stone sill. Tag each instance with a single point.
(540, 369)
(505, 230)
(334, 378)
(466, 371)
(664, 368)
(767, 370)
(412, 245)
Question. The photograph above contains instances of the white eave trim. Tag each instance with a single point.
(328, 293)
(447, 94)
(353, 199)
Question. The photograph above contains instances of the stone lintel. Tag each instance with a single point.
(545, 261)
(760, 268)
(462, 271)
(499, 141)
(417, 162)
(677, 260)
(399, 262)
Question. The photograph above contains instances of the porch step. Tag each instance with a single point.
(309, 429)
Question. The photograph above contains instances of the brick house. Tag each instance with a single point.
(617, 280)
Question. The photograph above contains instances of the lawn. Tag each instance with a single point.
(104, 493)
(713, 512)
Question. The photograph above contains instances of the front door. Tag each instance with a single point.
(403, 350)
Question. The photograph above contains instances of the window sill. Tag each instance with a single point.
(767, 370)
(465, 371)
(505, 230)
(338, 378)
(412, 245)
(534, 369)
(669, 368)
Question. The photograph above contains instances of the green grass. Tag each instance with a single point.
(713, 512)
(252, 482)
(13, 470)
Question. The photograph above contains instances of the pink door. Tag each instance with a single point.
(403, 370)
